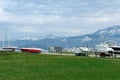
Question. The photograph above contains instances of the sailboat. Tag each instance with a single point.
(8, 47)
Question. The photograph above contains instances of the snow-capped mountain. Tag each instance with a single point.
(49, 36)
(88, 40)
(114, 30)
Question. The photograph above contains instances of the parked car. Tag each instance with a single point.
(81, 54)
(104, 54)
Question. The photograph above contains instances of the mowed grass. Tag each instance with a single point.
(25, 66)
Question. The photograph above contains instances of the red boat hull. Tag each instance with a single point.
(31, 50)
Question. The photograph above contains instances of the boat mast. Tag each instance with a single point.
(3, 40)
(9, 40)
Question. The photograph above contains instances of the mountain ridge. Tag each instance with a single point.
(87, 40)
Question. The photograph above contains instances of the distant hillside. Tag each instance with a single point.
(88, 40)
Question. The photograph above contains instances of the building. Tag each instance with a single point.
(55, 49)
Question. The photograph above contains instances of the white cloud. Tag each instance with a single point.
(70, 17)
(4, 16)
(34, 19)
(27, 29)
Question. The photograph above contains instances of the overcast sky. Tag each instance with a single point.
(60, 17)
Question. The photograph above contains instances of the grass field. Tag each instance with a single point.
(24, 66)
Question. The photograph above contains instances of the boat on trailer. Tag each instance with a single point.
(31, 50)
(108, 49)
(116, 48)
(10, 49)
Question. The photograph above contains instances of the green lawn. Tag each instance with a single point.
(24, 66)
